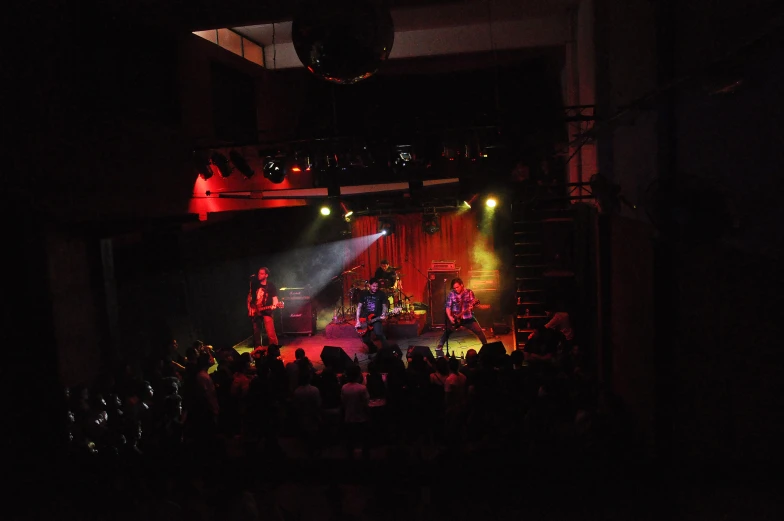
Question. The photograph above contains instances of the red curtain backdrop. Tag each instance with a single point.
(413, 250)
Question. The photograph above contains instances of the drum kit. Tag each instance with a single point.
(399, 302)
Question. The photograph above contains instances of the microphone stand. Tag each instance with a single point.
(252, 325)
(429, 291)
(342, 277)
(446, 323)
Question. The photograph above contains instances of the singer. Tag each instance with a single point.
(262, 301)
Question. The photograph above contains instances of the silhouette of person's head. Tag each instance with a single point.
(353, 373)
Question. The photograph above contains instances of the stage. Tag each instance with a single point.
(407, 326)
(344, 336)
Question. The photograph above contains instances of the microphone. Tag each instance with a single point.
(253, 275)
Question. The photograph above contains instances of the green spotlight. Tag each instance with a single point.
(325, 210)
(491, 202)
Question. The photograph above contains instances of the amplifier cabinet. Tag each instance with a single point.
(285, 293)
(479, 280)
(440, 286)
(296, 316)
(443, 265)
(486, 285)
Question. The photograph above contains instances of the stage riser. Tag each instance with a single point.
(401, 329)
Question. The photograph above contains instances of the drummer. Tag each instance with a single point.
(387, 277)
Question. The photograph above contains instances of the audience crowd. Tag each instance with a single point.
(186, 435)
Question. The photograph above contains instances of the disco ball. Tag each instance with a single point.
(342, 41)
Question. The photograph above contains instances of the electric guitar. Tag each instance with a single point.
(366, 324)
(254, 311)
(459, 320)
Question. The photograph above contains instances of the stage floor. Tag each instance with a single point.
(459, 342)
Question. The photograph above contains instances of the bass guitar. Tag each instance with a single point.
(255, 311)
(459, 320)
(366, 324)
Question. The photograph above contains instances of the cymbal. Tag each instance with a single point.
(359, 283)
(394, 267)
(400, 275)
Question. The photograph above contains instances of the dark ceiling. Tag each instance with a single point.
(107, 94)
(210, 14)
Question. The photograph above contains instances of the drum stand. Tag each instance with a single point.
(339, 317)
(342, 310)
(403, 301)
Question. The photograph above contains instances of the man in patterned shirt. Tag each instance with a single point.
(460, 313)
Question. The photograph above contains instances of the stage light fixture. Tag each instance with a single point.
(201, 162)
(386, 226)
(348, 213)
(404, 154)
(238, 160)
(325, 210)
(273, 164)
(491, 202)
(470, 201)
(273, 170)
(431, 224)
(299, 163)
(222, 162)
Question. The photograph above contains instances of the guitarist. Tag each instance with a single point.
(460, 313)
(373, 306)
(262, 301)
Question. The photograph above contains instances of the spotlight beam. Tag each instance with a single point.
(326, 263)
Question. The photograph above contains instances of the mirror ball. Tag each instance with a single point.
(342, 41)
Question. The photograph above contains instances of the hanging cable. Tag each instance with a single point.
(497, 91)
(274, 49)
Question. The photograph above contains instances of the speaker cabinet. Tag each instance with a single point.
(423, 350)
(296, 317)
(485, 314)
(492, 353)
(440, 286)
(486, 286)
(335, 358)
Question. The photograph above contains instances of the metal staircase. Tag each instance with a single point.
(542, 267)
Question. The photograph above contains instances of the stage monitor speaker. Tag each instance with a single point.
(335, 358)
(492, 352)
(439, 289)
(296, 316)
(423, 350)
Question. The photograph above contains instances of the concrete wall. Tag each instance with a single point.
(729, 391)
(713, 304)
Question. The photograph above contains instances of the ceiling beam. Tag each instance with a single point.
(501, 36)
